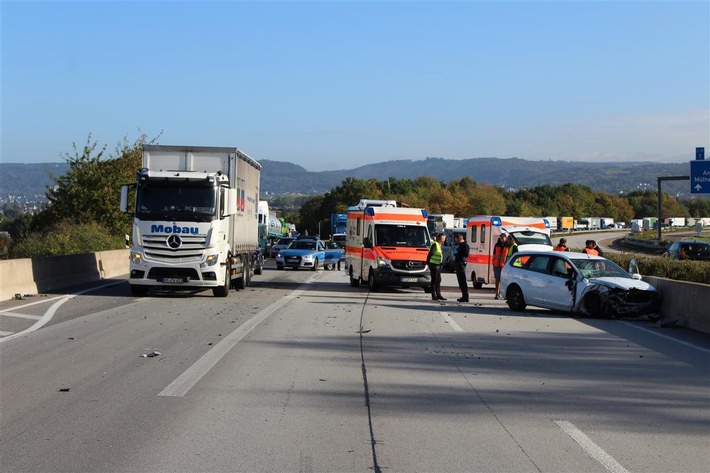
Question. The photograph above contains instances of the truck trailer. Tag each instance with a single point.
(195, 221)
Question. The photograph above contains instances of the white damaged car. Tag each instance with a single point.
(575, 282)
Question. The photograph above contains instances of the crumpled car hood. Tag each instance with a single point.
(622, 283)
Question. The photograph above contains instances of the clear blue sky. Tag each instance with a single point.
(334, 85)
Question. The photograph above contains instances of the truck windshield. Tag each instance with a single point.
(176, 203)
(401, 235)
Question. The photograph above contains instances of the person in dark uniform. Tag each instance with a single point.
(460, 261)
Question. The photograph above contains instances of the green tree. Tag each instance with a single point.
(697, 207)
(90, 190)
(645, 204)
(88, 197)
(310, 214)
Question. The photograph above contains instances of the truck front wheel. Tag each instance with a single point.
(243, 281)
(223, 290)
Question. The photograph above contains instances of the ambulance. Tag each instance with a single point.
(387, 246)
(482, 231)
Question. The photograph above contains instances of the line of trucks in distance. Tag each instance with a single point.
(198, 223)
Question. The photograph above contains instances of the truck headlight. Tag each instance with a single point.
(137, 258)
(211, 260)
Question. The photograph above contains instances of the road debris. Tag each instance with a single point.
(151, 354)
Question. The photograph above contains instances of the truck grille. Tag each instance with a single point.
(159, 273)
(174, 248)
(405, 265)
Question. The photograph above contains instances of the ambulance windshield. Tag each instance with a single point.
(401, 235)
(529, 237)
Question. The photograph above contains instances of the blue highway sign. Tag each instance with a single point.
(700, 177)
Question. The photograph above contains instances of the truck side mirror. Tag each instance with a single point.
(124, 199)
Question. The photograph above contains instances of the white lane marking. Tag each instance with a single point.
(665, 336)
(31, 304)
(5, 334)
(191, 376)
(451, 322)
(51, 311)
(22, 316)
(606, 460)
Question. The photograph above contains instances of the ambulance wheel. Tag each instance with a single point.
(354, 282)
(371, 283)
(474, 283)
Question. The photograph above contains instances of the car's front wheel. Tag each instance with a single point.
(515, 299)
(315, 265)
(593, 305)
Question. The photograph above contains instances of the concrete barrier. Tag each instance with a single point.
(37, 275)
(686, 302)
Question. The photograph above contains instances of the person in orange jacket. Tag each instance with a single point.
(500, 254)
(562, 245)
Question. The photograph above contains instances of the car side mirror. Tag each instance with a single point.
(570, 284)
(634, 268)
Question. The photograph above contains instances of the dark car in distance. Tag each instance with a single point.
(694, 250)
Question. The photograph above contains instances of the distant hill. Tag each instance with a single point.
(513, 173)
(279, 177)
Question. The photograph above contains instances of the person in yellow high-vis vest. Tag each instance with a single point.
(434, 260)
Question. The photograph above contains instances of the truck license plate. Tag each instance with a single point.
(173, 280)
(408, 280)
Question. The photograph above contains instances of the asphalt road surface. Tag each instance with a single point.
(301, 372)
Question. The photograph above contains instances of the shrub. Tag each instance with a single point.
(66, 238)
(691, 271)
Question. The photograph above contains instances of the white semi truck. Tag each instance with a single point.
(195, 219)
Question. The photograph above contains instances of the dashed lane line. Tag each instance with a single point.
(191, 376)
(451, 322)
(594, 450)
